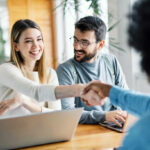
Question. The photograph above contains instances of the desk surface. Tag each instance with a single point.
(87, 137)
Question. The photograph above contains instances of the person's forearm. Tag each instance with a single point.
(31, 105)
(92, 117)
(64, 91)
(135, 103)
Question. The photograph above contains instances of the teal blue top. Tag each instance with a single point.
(106, 68)
(138, 137)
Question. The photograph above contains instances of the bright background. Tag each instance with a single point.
(57, 29)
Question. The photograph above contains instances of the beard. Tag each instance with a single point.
(87, 57)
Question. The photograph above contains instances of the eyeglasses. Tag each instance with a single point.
(83, 43)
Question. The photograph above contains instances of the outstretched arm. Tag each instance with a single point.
(135, 103)
(11, 76)
(64, 91)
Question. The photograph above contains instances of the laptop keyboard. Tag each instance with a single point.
(111, 124)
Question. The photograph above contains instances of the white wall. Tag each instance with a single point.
(65, 27)
(119, 9)
(130, 60)
(4, 24)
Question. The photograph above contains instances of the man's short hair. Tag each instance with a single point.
(90, 23)
(139, 31)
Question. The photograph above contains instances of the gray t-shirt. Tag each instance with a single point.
(106, 68)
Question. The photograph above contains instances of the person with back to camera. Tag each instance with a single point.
(138, 137)
(26, 77)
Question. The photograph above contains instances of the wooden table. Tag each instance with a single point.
(87, 137)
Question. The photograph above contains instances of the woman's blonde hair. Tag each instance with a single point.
(17, 59)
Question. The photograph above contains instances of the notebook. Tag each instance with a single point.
(130, 120)
(37, 129)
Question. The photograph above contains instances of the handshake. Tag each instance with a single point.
(95, 93)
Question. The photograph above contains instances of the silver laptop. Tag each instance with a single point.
(37, 129)
(130, 120)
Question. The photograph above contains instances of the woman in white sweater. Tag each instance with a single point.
(26, 77)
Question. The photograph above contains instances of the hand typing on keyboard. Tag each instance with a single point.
(112, 124)
(117, 117)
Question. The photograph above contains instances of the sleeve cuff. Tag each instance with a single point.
(44, 109)
(114, 93)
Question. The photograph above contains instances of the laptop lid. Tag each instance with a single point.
(36, 129)
(130, 120)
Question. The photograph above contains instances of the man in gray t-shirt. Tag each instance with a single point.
(89, 64)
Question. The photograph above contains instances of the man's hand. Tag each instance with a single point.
(95, 92)
(116, 116)
(91, 98)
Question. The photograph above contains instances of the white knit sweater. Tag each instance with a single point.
(12, 81)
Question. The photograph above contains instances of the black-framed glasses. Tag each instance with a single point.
(83, 43)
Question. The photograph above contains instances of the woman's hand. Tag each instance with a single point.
(91, 98)
(9, 105)
(20, 100)
(95, 93)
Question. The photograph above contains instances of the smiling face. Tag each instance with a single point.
(89, 52)
(30, 45)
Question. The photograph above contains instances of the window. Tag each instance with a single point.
(4, 31)
(65, 26)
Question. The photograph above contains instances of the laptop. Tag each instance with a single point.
(39, 128)
(130, 120)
